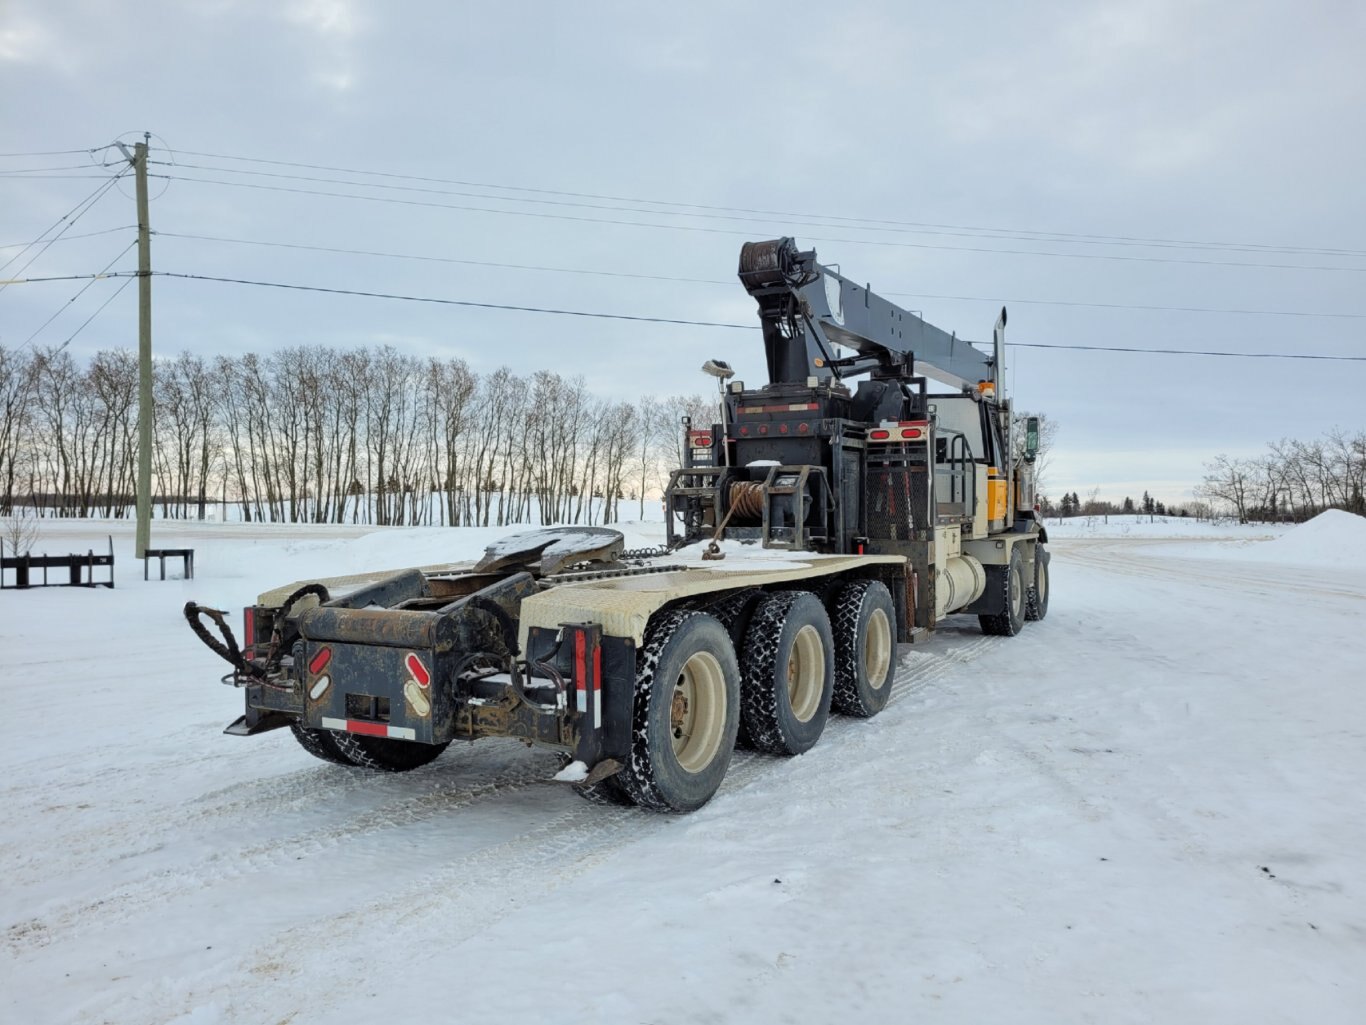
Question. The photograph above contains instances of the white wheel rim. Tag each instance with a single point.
(1043, 582)
(1016, 592)
(806, 673)
(697, 719)
(877, 649)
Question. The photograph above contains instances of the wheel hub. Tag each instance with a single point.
(678, 713)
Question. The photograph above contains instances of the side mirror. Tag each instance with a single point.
(1031, 437)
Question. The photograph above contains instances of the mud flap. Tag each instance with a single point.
(258, 721)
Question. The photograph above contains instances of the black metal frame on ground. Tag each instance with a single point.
(74, 564)
(186, 555)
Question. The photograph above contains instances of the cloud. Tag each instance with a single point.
(332, 18)
(26, 41)
(335, 24)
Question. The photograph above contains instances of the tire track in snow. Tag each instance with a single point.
(1126, 558)
(575, 833)
(544, 858)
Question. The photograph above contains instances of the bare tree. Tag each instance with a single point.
(17, 379)
(1230, 481)
(20, 533)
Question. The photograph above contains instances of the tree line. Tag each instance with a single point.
(319, 435)
(1293, 480)
(1073, 505)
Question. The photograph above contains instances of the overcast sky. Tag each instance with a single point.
(934, 150)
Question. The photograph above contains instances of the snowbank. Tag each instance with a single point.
(1332, 538)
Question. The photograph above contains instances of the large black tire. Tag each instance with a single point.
(865, 648)
(319, 743)
(1008, 582)
(734, 611)
(1036, 602)
(384, 754)
(787, 673)
(685, 714)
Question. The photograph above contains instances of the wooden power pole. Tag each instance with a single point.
(144, 497)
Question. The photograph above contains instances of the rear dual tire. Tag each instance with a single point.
(865, 648)
(787, 673)
(686, 713)
(378, 753)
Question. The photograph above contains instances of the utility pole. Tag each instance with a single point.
(138, 158)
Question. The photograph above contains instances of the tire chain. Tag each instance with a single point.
(319, 744)
(758, 696)
(637, 777)
(848, 609)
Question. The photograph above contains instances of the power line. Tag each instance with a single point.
(449, 302)
(70, 218)
(84, 288)
(128, 280)
(703, 323)
(52, 177)
(45, 153)
(441, 259)
(983, 233)
(1048, 235)
(1187, 352)
(35, 170)
(729, 231)
(69, 238)
(62, 277)
(731, 282)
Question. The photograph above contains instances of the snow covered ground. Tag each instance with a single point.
(1146, 808)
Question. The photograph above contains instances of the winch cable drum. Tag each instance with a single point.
(773, 263)
(747, 502)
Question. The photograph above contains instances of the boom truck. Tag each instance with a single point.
(810, 530)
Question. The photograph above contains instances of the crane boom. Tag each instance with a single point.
(806, 309)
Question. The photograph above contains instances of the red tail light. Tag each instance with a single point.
(417, 670)
(320, 660)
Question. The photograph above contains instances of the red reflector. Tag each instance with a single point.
(369, 729)
(417, 670)
(910, 432)
(879, 435)
(700, 439)
(320, 660)
(248, 630)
